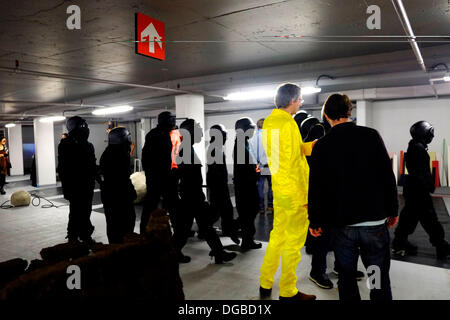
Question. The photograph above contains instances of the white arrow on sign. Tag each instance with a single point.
(153, 37)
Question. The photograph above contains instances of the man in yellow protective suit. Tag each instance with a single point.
(290, 174)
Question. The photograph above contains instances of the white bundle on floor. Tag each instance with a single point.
(20, 199)
(138, 180)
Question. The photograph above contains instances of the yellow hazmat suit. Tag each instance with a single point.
(290, 175)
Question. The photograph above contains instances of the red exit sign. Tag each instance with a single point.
(150, 37)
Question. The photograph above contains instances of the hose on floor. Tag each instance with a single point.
(34, 197)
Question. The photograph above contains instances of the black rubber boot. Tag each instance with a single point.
(403, 247)
(222, 256)
(443, 251)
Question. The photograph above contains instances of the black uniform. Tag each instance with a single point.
(219, 195)
(194, 204)
(77, 171)
(418, 203)
(246, 193)
(117, 192)
(160, 179)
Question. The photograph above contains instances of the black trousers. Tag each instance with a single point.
(165, 189)
(120, 220)
(320, 247)
(419, 208)
(80, 208)
(2, 180)
(221, 207)
(247, 208)
(195, 207)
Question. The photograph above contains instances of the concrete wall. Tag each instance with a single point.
(394, 118)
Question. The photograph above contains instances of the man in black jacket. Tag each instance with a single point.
(161, 178)
(77, 171)
(117, 191)
(217, 182)
(245, 183)
(416, 191)
(352, 192)
(193, 199)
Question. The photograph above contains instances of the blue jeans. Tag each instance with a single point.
(261, 182)
(373, 244)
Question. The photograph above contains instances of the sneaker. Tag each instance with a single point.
(250, 245)
(322, 281)
(265, 293)
(300, 296)
(403, 248)
(358, 276)
(443, 251)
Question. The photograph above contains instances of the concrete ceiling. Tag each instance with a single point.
(248, 34)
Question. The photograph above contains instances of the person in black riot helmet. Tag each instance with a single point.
(217, 182)
(245, 183)
(117, 191)
(161, 179)
(416, 191)
(193, 199)
(306, 127)
(77, 171)
(300, 117)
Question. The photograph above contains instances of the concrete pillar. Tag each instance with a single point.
(44, 153)
(193, 106)
(143, 127)
(364, 113)
(15, 146)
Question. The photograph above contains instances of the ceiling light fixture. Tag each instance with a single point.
(311, 90)
(264, 94)
(445, 78)
(111, 110)
(10, 125)
(52, 119)
(250, 95)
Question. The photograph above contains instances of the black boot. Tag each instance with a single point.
(403, 247)
(250, 244)
(443, 250)
(222, 256)
(2, 191)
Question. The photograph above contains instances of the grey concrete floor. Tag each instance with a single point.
(25, 231)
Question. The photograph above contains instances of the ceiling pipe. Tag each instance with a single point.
(404, 20)
(86, 79)
(57, 104)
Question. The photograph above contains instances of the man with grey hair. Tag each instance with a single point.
(290, 174)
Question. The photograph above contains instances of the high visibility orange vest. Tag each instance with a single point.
(175, 138)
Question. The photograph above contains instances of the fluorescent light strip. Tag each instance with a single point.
(112, 110)
(52, 119)
(311, 90)
(255, 95)
(10, 125)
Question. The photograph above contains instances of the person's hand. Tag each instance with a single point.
(392, 221)
(2, 155)
(258, 169)
(315, 232)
